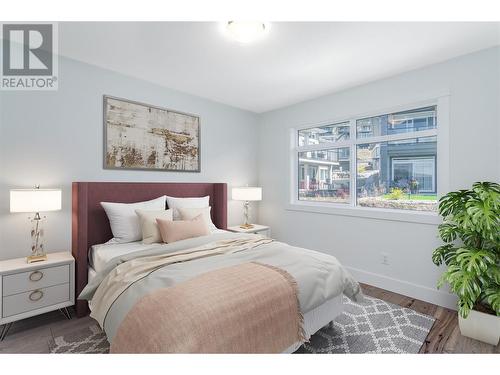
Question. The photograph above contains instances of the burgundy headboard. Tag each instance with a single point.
(90, 224)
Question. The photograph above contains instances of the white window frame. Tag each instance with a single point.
(441, 102)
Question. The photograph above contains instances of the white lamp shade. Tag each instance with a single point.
(35, 200)
(247, 194)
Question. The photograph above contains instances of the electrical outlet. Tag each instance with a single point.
(385, 259)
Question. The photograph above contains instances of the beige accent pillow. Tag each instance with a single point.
(150, 231)
(175, 203)
(191, 213)
(172, 231)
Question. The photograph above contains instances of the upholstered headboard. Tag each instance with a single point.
(90, 224)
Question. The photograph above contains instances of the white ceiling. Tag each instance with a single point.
(293, 63)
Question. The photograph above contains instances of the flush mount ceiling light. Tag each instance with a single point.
(246, 31)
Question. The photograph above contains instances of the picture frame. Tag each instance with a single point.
(140, 136)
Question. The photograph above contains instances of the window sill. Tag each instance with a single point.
(430, 218)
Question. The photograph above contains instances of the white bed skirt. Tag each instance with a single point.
(319, 317)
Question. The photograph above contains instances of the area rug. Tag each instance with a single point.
(88, 340)
(372, 326)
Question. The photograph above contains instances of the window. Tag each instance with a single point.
(397, 174)
(397, 123)
(393, 155)
(324, 134)
(327, 178)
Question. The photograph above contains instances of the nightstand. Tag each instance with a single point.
(257, 229)
(29, 289)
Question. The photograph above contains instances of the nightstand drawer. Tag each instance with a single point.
(35, 299)
(36, 279)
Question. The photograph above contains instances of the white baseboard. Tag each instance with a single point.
(424, 293)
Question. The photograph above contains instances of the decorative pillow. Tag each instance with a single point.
(149, 226)
(191, 213)
(175, 203)
(124, 222)
(172, 231)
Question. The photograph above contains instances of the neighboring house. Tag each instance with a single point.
(324, 170)
(401, 161)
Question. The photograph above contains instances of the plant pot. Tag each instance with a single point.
(481, 326)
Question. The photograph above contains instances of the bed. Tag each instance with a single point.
(93, 256)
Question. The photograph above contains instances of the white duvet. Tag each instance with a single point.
(320, 277)
(100, 255)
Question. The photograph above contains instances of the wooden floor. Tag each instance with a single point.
(33, 335)
(444, 336)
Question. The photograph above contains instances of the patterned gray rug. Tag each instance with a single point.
(89, 340)
(373, 326)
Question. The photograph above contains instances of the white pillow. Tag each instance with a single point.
(124, 223)
(149, 226)
(191, 213)
(175, 203)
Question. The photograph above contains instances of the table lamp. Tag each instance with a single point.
(35, 201)
(247, 194)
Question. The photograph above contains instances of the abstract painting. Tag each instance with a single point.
(142, 136)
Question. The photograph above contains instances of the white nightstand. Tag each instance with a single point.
(31, 289)
(260, 229)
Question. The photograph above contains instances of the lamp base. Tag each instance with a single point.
(246, 226)
(36, 258)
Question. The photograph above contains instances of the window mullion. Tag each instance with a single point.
(352, 181)
(397, 137)
(324, 146)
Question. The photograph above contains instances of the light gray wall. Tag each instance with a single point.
(473, 84)
(54, 138)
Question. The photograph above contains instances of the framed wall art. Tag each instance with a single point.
(145, 137)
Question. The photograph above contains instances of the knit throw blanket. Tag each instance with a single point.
(247, 308)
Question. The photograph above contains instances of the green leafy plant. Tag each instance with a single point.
(471, 233)
(396, 194)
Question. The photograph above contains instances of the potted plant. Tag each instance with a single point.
(471, 232)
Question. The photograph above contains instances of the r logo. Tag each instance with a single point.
(27, 50)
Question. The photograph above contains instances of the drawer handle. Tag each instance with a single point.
(36, 295)
(36, 276)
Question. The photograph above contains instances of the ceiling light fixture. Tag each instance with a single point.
(246, 31)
